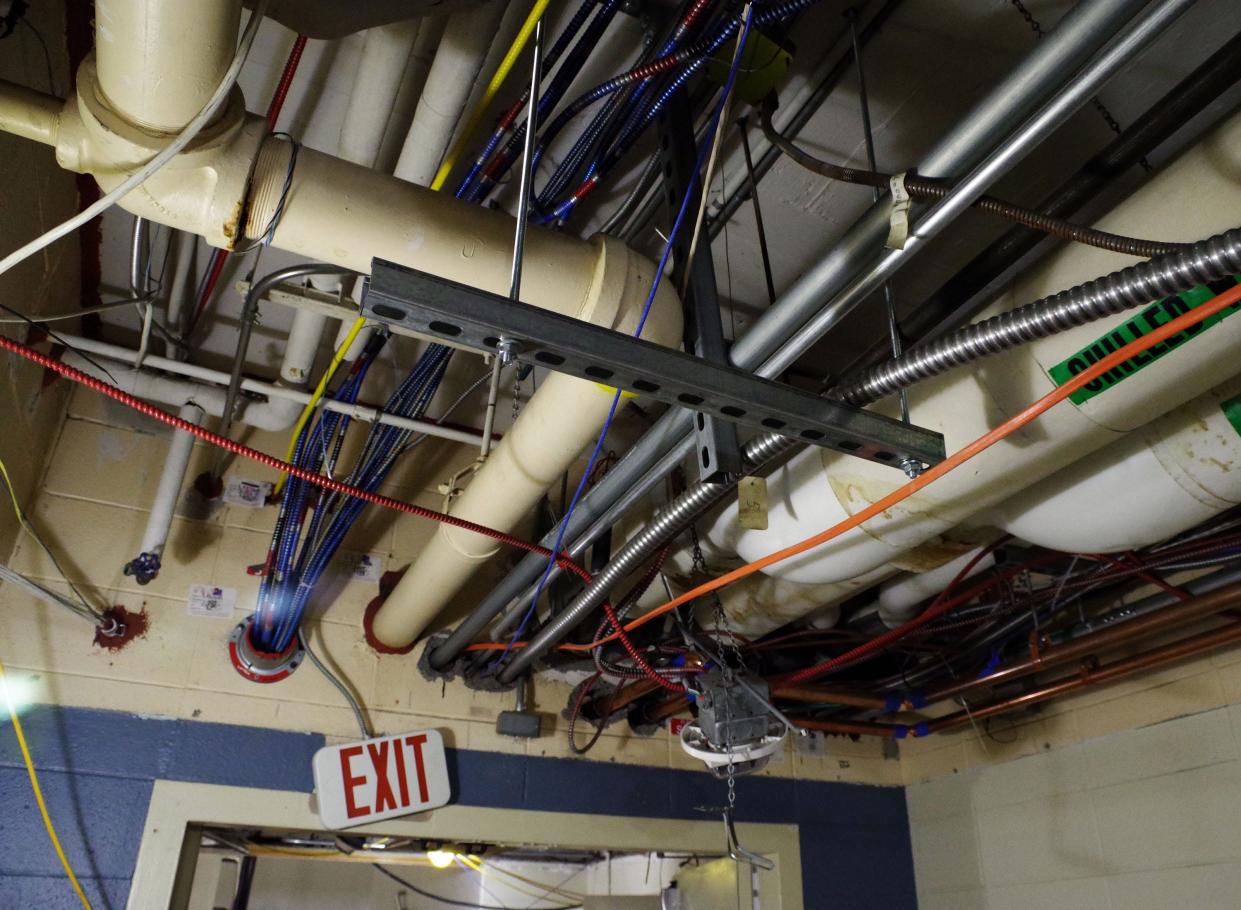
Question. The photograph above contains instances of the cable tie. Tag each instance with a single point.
(898, 215)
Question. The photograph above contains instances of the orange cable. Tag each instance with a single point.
(1229, 298)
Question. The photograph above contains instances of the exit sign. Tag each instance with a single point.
(386, 777)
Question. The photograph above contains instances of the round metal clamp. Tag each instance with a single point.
(256, 664)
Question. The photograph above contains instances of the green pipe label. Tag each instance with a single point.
(1158, 313)
(1232, 411)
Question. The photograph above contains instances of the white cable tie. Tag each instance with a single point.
(898, 215)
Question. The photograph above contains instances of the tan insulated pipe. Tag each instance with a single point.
(159, 61)
(227, 186)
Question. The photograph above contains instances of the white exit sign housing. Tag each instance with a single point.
(386, 777)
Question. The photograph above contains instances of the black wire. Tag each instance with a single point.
(456, 903)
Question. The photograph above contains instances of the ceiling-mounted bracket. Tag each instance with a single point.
(473, 318)
(718, 450)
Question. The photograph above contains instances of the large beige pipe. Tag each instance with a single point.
(159, 61)
(228, 186)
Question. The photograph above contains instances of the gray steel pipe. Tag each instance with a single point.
(1137, 285)
(1079, 35)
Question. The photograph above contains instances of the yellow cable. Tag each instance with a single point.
(38, 792)
(493, 88)
(8, 485)
(318, 393)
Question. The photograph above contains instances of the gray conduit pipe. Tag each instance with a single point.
(1137, 285)
(1077, 37)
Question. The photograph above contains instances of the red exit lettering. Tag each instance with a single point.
(385, 798)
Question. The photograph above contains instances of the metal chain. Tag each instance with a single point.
(724, 638)
(1108, 118)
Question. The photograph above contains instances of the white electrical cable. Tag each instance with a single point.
(169, 152)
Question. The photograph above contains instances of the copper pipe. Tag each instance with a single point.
(1042, 656)
(669, 708)
(1090, 676)
(1087, 676)
(846, 727)
(822, 696)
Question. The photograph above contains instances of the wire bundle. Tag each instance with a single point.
(295, 565)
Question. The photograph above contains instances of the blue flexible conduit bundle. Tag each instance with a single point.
(296, 562)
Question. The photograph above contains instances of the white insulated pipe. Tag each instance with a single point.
(201, 375)
(160, 61)
(301, 346)
(899, 598)
(1199, 195)
(386, 50)
(412, 81)
(155, 537)
(1163, 479)
(277, 415)
(458, 60)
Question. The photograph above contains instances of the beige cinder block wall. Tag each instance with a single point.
(35, 194)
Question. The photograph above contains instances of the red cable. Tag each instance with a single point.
(326, 483)
(286, 80)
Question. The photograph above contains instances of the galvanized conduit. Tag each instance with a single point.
(1203, 262)
(815, 303)
(1138, 285)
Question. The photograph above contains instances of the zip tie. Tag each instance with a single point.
(898, 215)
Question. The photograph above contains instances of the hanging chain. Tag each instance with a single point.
(1108, 118)
(725, 640)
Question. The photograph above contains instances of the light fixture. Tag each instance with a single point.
(442, 858)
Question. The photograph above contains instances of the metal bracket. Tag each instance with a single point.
(429, 305)
(718, 451)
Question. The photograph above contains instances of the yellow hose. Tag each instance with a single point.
(38, 792)
(318, 393)
(493, 88)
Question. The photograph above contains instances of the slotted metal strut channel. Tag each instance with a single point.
(466, 316)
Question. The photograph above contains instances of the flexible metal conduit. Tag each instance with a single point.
(815, 297)
(1209, 260)
(1204, 262)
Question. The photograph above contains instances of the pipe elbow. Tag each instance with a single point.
(203, 190)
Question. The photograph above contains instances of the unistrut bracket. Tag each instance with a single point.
(468, 317)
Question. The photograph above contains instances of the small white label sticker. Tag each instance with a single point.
(249, 494)
(208, 600)
(367, 567)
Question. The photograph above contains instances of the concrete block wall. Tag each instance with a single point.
(37, 196)
(1142, 819)
(97, 769)
(93, 508)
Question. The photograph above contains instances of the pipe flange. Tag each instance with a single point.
(256, 664)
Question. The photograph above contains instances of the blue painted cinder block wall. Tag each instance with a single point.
(97, 769)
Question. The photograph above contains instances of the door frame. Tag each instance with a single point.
(169, 848)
